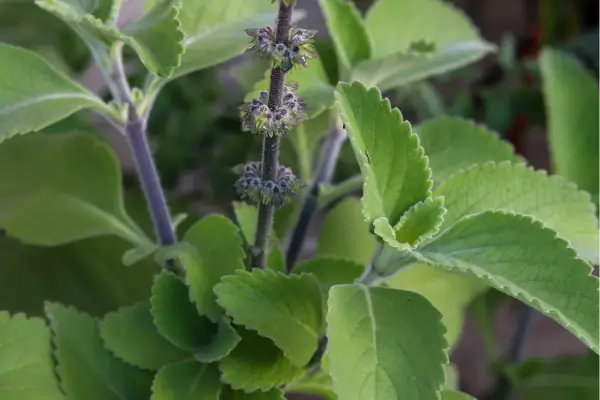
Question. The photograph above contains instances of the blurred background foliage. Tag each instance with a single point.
(195, 130)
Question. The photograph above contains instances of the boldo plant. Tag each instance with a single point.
(448, 211)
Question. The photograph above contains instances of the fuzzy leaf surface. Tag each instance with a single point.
(256, 363)
(374, 354)
(219, 249)
(131, 335)
(393, 164)
(34, 95)
(344, 234)
(46, 197)
(347, 30)
(571, 96)
(86, 369)
(421, 221)
(520, 257)
(453, 144)
(222, 344)
(26, 365)
(286, 309)
(175, 316)
(187, 380)
(520, 189)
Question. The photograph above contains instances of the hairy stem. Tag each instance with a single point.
(137, 138)
(270, 151)
(329, 156)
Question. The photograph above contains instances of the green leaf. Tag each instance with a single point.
(392, 162)
(331, 271)
(175, 316)
(46, 197)
(384, 344)
(383, 229)
(448, 292)
(344, 234)
(520, 257)
(222, 344)
(346, 28)
(285, 308)
(187, 380)
(405, 68)
(256, 364)
(571, 97)
(453, 144)
(34, 95)
(452, 395)
(230, 394)
(26, 365)
(318, 384)
(313, 87)
(131, 335)
(218, 244)
(157, 38)
(520, 189)
(86, 369)
(421, 221)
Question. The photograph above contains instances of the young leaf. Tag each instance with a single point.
(86, 369)
(453, 144)
(175, 316)
(383, 229)
(222, 344)
(157, 38)
(520, 257)
(286, 309)
(331, 271)
(187, 380)
(405, 68)
(384, 344)
(256, 364)
(219, 250)
(26, 365)
(421, 221)
(346, 28)
(131, 335)
(46, 197)
(230, 394)
(344, 234)
(392, 162)
(520, 189)
(571, 97)
(453, 395)
(34, 95)
(449, 293)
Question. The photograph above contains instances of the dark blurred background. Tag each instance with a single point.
(196, 130)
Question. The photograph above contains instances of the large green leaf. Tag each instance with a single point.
(286, 309)
(393, 164)
(346, 28)
(256, 364)
(46, 197)
(384, 344)
(519, 256)
(344, 234)
(33, 94)
(453, 144)
(86, 369)
(131, 335)
(402, 69)
(175, 316)
(26, 365)
(448, 292)
(218, 245)
(517, 188)
(187, 380)
(571, 97)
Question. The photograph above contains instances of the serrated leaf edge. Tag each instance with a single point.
(523, 296)
(438, 223)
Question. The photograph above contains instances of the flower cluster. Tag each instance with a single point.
(298, 50)
(276, 193)
(258, 118)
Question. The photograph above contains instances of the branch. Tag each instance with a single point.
(270, 151)
(329, 156)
